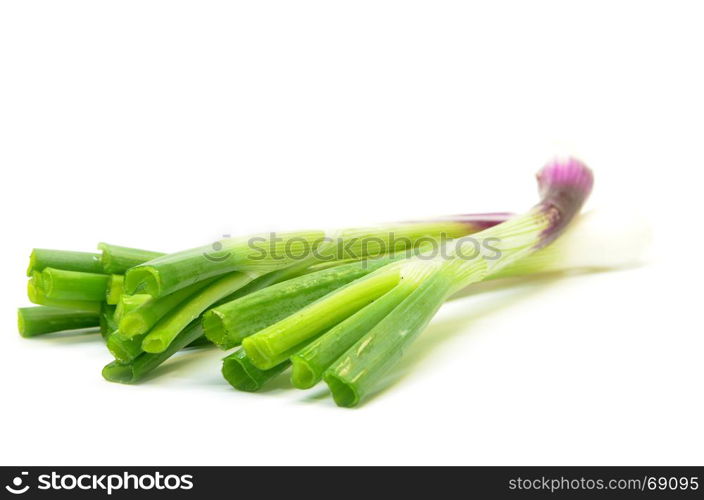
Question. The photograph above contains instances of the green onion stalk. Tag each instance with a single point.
(124, 349)
(217, 290)
(294, 255)
(128, 303)
(60, 284)
(130, 371)
(141, 319)
(594, 241)
(85, 262)
(115, 259)
(132, 363)
(37, 295)
(365, 325)
(39, 320)
(228, 324)
(239, 371)
(167, 329)
(265, 253)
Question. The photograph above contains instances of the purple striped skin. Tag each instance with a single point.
(477, 222)
(483, 221)
(564, 186)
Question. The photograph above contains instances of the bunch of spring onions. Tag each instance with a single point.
(337, 307)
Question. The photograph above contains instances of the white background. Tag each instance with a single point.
(164, 125)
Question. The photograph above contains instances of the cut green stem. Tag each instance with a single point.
(563, 186)
(228, 324)
(274, 344)
(163, 333)
(310, 363)
(73, 285)
(140, 319)
(239, 371)
(141, 365)
(267, 253)
(128, 349)
(129, 303)
(125, 349)
(37, 296)
(39, 320)
(41, 258)
(116, 259)
(355, 374)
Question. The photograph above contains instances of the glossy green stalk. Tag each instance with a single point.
(563, 187)
(128, 349)
(73, 285)
(310, 363)
(172, 272)
(274, 344)
(116, 259)
(239, 371)
(37, 296)
(115, 289)
(142, 318)
(591, 241)
(143, 363)
(166, 330)
(128, 303)
(39, 320)
(226, 325)
(125, 349)
(267, 253)
(355, 374)
(41, 258)
(268, 280)
(356, 363)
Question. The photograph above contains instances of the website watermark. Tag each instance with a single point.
(283, 247)
(643, 484)
(105, 483)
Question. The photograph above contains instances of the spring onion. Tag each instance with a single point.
(124, 349)
(310, 362)
(85, 262)
(135, 369)
(266, 253)
(227, 324)
(274, 344)
(37, 296)
(594, 240)
(129, 303)
(116, 259)
(166, 330)
(420, 284)
(142, 318)
(72, 285)
(128, 349)
(339, 307)
(38, 320)
(239, 371)
(563, 187)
